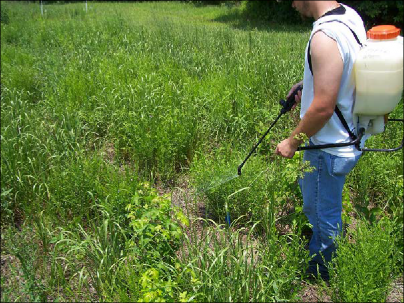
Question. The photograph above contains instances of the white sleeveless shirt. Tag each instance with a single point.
(333, 131)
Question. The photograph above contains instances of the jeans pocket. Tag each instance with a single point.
(342, 166)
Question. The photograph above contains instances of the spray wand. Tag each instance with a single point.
(286, 106)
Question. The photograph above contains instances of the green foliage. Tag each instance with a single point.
(157, 284)
(155, 235)
(200, 3)
(376, 191)
(115, 256)
(272, 11)
(157, 120)
(379, 12)
(364, 266)
(396, 215)
(4, 18)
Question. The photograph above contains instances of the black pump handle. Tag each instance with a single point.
(290, 101)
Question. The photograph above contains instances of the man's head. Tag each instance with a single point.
(303, 7)
(313, 9)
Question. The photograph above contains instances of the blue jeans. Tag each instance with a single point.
(322, 203)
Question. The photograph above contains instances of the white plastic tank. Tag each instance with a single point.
(378, 77)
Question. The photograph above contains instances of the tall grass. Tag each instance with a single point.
(156, 91)
(231, 265)
(363, 268)
(96, 103)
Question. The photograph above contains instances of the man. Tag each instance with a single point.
(328, 82)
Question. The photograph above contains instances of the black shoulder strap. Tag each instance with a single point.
(337, 110)
(344, 123)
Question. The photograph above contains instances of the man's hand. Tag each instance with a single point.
(298, 97)
(287, 148)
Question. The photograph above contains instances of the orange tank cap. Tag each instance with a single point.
(382, 32)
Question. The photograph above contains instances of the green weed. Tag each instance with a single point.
(363, 269)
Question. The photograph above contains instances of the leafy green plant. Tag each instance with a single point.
(376, 182)
(155, 235)
(106, 252)
(157, 285)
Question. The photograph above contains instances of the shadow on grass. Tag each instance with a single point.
(242, 21)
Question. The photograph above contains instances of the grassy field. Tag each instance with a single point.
(119, 128)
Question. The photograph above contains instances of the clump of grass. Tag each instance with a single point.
(363, 269)
(232, 265)
(29, 277)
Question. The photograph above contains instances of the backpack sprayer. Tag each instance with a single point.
(378, 72)
(379, 85)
